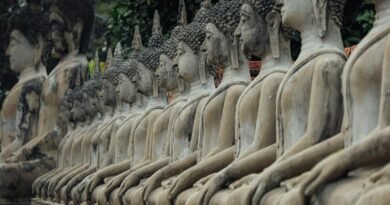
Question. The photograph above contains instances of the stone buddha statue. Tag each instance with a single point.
(357, 166)
(255, 126)
(141, 136)
(304, 119)
(127, 90)
(89, 93)
(99, 141)
(70, 33)
(75, 142)
(34, 158)
(162, 131)
(216, 137)
(66, 155)
(190, 60)
(26, 51)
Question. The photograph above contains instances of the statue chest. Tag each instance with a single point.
(212, 116)
(295, 102)
(185, 131)
(160, 139)
(248, 111)
(364, 80)
(8, 117)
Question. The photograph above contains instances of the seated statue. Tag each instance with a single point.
(255, 114)
(40, 158)
(70, 33)
(185, 130)
(216, 137)
(95, 109)
(74, 144)
(148, 60)
(305, 118)
(26, 51)
(356, 174)
(162, 127)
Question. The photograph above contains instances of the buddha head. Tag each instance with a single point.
(78, 112)
(126, 89)
(324, 13)
(111, 78)
(110, 81)
(148, 62)
(90, 92)
(220, 43)
(27, 46)
(190, 58)
(71, 26)
(166, 72)
(259, 22)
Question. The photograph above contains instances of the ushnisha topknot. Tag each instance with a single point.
(226, 15)
(32, 24)
(157, 38)
(202, 16)
(193, 35)
(75, 10)
(150, 57)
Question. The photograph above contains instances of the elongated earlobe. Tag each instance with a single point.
(273, 27)
(181, 85)
(320, 14)
(155, 88)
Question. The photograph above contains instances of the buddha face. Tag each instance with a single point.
(294, 13)
(165, 73)
(252, 32)
(187, 62)
(64, 35)
(217, 48)
(144, 79)
(126, 89)
(91, 104)
(78, 111)
(108, 93)
(21, 53)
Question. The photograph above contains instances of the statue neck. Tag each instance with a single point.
(109, 113)
(122, 108)
(176, 94)
(231, 74)
(382, 16)
(28, 74)
(197, 87)
(161, 99)
(284, 60)
(139, 103)
(311, 41)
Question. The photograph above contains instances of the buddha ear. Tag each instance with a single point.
(181, 85)
(155, 88)
(320, 15)
(273, 28)
(39, 51)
